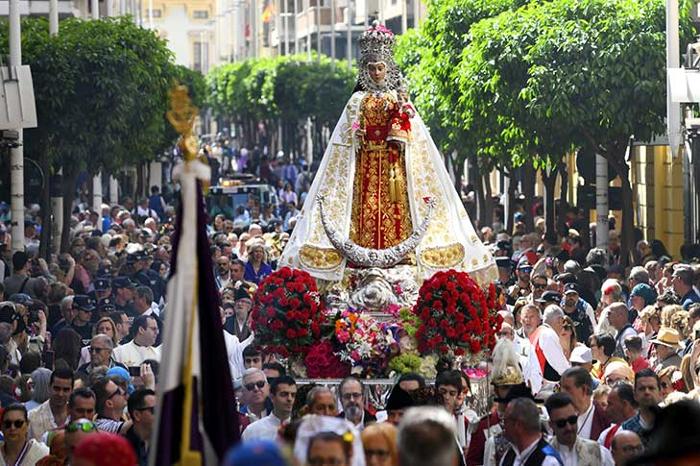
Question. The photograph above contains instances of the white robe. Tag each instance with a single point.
(450, 242)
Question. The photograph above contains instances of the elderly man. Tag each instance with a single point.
(254, 396)
(547, 361)
(283, 392)
(530, 319)
(667, 345)
(521, 427)
(101, 347)
(352, 398)
(577, 382)
(142, 347)
(618, 316)
(321, 401)
(626, 445)
(237, 324)
(573, 448)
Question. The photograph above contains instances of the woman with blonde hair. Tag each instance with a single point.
(257, 267)
(379, 442)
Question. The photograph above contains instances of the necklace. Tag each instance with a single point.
(590, 410)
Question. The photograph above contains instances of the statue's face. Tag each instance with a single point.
(377, 71)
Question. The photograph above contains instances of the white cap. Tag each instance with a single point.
(581, 354)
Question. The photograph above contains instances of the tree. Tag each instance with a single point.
(494, 72)
(431, 58)
(599, 67)
(101, 91)
(285, 90)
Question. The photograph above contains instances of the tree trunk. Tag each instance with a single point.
(550, 181)
(528, 182)
(139, 182)
(512, 185)
(69, 178)
(618, 163)
(45, 237)
(488, 200)
(563, 203)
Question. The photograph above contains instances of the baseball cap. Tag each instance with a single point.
(524, 264)
(565, 278)
(504, 262)
(84, 302)
(123, 282)
(21, 298)
(581, 355)
(550, 297)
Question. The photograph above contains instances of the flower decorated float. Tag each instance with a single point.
(384, 273)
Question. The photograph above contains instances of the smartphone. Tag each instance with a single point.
(135, 371)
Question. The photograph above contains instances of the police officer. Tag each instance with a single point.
(145, 276)
(124, 289)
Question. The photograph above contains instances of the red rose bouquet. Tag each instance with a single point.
(456, 315)
(322, 363)
(287, 312)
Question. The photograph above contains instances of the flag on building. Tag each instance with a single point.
(196, 417)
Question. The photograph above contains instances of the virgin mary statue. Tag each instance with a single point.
(382, 188)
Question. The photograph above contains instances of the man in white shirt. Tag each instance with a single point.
(578, 384)
(547, 361)
(521, 427)
(234, 352)
(141, 348)
(573, 449)
(283, 392)
(54, 411)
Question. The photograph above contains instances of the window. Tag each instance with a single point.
(200, 55)
(200, 14)
(157, 13)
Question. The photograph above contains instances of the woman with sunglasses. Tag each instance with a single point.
(567, 337)
(19, 449)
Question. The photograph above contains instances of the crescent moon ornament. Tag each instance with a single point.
(366, 257)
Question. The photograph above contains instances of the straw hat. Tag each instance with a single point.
(667, 337)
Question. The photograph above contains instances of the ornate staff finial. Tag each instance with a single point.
(181, 115)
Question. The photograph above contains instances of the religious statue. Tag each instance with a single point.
(382, 195)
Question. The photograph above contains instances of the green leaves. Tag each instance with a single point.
(286, 87)
(101, 92)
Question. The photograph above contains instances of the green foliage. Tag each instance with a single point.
(287, 87)
(430, 58)
(101, 91)
(512, 80)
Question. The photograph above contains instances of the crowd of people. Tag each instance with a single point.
(595, 363)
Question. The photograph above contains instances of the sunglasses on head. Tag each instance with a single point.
(251, 386)
(150, 409)
(16, 423)
(561, 423)
(83, 426)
